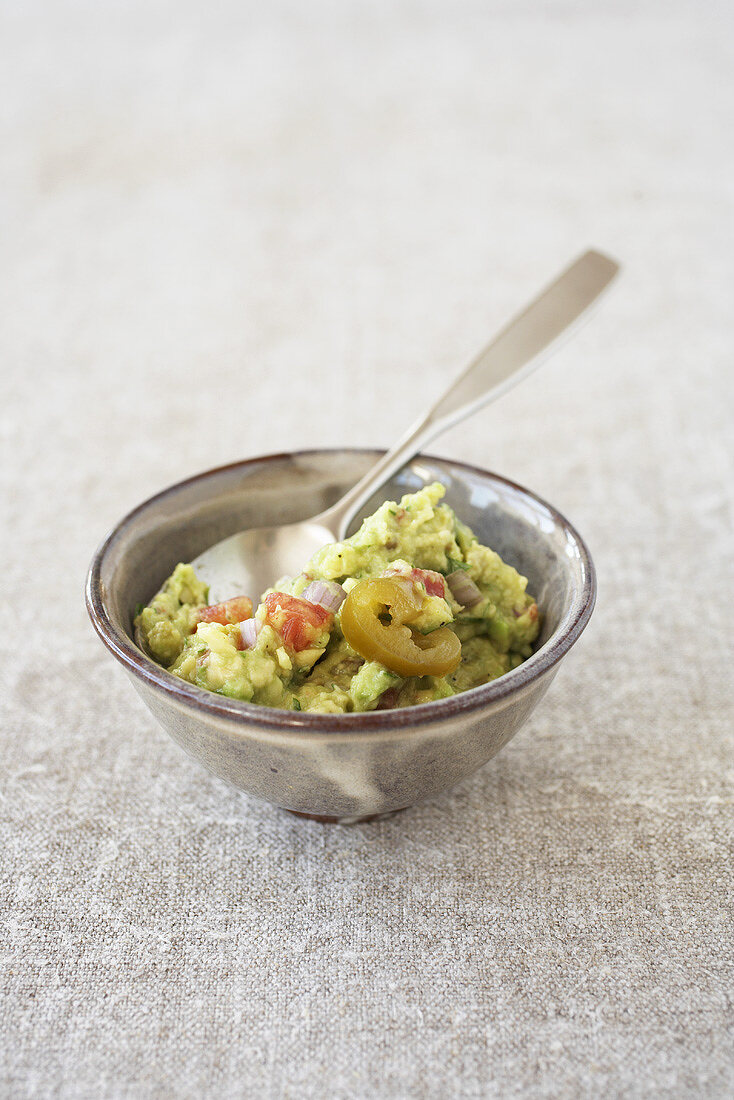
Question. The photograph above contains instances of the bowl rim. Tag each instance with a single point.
(296, 723)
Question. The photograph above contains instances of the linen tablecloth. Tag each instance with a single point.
(232, 228)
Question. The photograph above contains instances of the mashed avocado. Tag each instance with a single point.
(459, 617)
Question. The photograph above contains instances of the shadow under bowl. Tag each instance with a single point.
(339, 767)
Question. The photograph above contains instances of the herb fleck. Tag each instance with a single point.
(455, 564)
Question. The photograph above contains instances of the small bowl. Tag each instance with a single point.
(342, 768)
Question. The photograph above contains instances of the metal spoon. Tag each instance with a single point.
(252, 560)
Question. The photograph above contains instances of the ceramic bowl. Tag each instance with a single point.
(339, 767)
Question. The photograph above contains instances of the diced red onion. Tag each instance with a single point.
(463, 588)
(326, 594)
(388, 699)
(249, 629)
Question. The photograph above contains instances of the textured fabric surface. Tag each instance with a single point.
(233, 228)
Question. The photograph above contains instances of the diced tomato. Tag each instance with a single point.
(231, 611)
(298, 622)
(433, 582)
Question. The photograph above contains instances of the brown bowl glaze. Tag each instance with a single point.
(339, 767)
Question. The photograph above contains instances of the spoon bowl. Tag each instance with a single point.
(254, 560)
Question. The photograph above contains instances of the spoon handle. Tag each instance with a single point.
(511, 356)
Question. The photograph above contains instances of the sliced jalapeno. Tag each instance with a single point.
(375, 620)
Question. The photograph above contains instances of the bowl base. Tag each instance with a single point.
(324, 819)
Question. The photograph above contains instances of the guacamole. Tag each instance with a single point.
(410, 609)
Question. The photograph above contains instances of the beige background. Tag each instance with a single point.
(230, 228)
